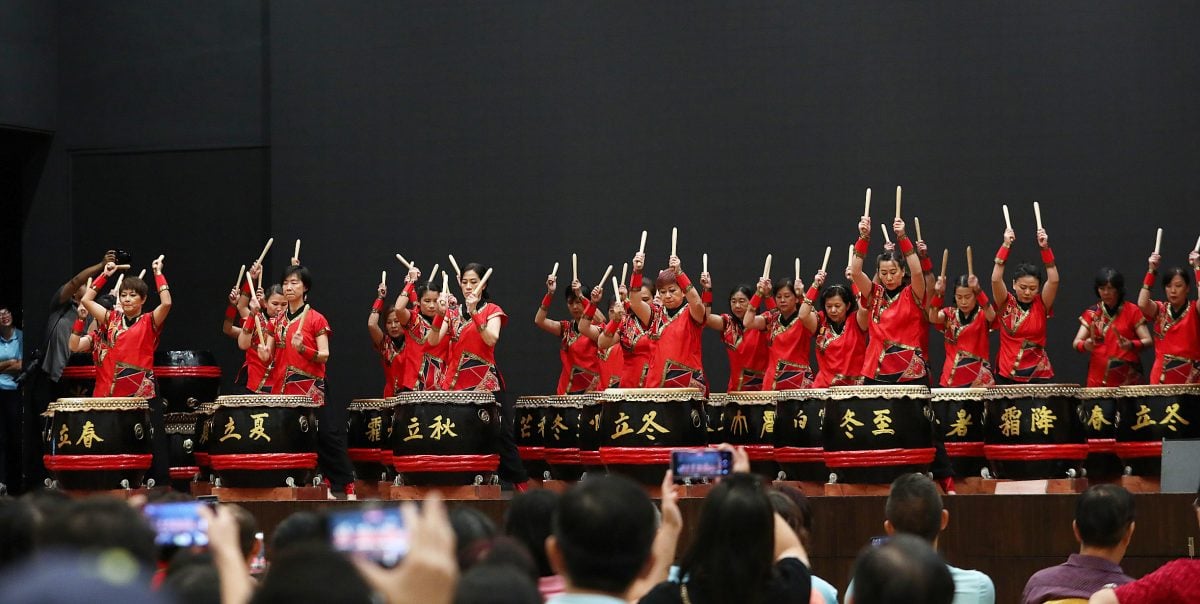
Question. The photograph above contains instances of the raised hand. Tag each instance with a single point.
(675, 265)
(898, 227)
(864, 226)
(157, 265)
(1043, 239)
(1009, 236)
(973, 283)
(551, 284)
(597, 294)
(706, 280)
(233, 296)
(819, 279)
(939, 286)
(382, 289)
(639, 262)
(1156, 259)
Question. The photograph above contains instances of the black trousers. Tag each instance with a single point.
(332, 457)
(511, 468)
(160, 445)
(10, 438)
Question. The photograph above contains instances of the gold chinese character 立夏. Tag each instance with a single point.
(739, 424)
(883, 422)
(558, 425)
(1171, 417)
(1010, 422)
(960, 425)
(442, 427)
(414, 429)
(229, 431)
(1041, 418)
(1097, 421)
(64, 436)
(649, 427)
(623, 428)
(257, 432)
(89, 435)
(768, 424)
(526, 426)
(849, 423)
(1143, 418)
(375, 429)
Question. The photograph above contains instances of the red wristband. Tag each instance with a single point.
(249, 324)
(635, 282)
(1148, 280)
(246, 286)
(982, 299)
(770, 302)
(926, 265)
(160, 281)
(378, 305)
(480, 321)
(547, 300)
(410, 291)
(706, 298)
(1137, 345)
(682, 280)
(1047, 256)
(1002, 254)
(936, 301)
(755, 301)
(231, 312)
(1196, 273)
(1079, 346)
(612, 327)
(77, 328)
(862, 246)
(99, 282)
(589, 309)
(811, 294)
(854, 290)
(438, 320)
(906, 245)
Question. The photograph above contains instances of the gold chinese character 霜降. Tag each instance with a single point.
(739, 424)
(1041, 418)
(1010, 422)
(375, 429)
(649, 427)
(961, 424)
(1097, 421)
(89, 435)
(229, 432)
(414, 429)
(1171, 417)
(883, 422)
(849, 423)
(1143, 418)
(768, 424)
(442, 427)
(622, 423)
(258, 432)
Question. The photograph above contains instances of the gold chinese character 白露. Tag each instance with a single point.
(849, 423)
(258, 432)
(375, 429)
(414, 429)
(89, 435)
(1010, 422)
(622, 423)
(883, 422)
(204, 431)
(960, 425)
(558, 425)
(1097, 421)
(649, 427)
(1041, 418)
(1143, 418)
(594, 422)
(526, 426)
(1171, 417)
(229, 432)
(442, 427)
(768, 424)
(800, 421)
(64, 436)
(739, 424)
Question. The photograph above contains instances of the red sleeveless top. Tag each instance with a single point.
(1177, 352)
(394, 362)
(968, 351)
(295, 373)
(1109, 364)
(612, 362)
(579, 355)
(676, 362)
(748, 352)
(127, 363)
(637, 348)
(840, 352)
(472, 364)
(894, 353)
(1023, 341)
(257, 372)
(788, 364)
(423, 364)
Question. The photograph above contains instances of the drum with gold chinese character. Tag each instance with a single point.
(181, 435)
(1099, 410)
(714, 414)
(263, 440)
(589, 433)
(1034, 431)
(203, 430)
(530, 437)
(186, 378)
(873, 434)
(799, 443)
(640, 426)
(749, 421)
(958, 419)
(446, 437)
(564, 417)
(1149, 414)
(368, 437)
(98, 443)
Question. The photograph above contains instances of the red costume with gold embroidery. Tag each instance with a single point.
(894, 352)
(788, 364)
(424, 365)
(676, 362)
(581, 370)
(393, 359)
(967, 349)
(258, 377)
(1109, 364)
(637, 348)
(472, 364)
(748, 352)
(1177, 351)
(840, 352)
(612, 363)
(127, 364)
(297, 373)
(1023, 341)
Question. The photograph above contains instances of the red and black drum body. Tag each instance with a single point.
(263, 440)
(1149, 414)
(749, 421)
(564, 418)
(640, 426)
(446, 437)
(799, 442)
(79, 376)
(714, 415)
(958, 419)
(98, 443)
(1100, 410)
(203, 432)
(873, 434)
(186, 378)
(369, 437)
(181, 436)
(1034, 432)
(590, 436)
(531, 434)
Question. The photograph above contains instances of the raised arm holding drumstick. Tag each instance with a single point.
(1173, 322)
(389, 342)
(255, 335)
(965, 327)
(1023, 313)
(1112, 332)
(425, 352)
(789, 328)
(624, 327)
(841, 336)
(679, 325)
(747, 349)
(577, 351)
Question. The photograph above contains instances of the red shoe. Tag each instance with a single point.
(947, 485)
(350, 492)
(521, 487)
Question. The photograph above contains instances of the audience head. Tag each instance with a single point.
(17, 524)
(528, 520)
(473, 532)
(488, 583)
(733, 553)
(100, 523)
(914, 506)
(794, 507)
(67, 577)
(312, 572)
(603, 530)
(247, 530)
(1104, 516)
(904, 570)
(297, 529)
(193, 579)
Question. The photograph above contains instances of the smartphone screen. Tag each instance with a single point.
(878, 541)
(375, 533)
(178, 524)
(700, 463)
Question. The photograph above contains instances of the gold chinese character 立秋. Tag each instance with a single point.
(1097, 421)
(1010, 422)
(883, 422)
(229, 432)
(768, 424)
(442, 427)
(623, 428)
(257, 432)
(800, 421)
(414, 429)
(375, 429)
(64, 436)
(739, 424)
(526, 426)
(558, 425)
(960, 425)
(89, 435)
(1171, 417)
(1041, 418)
(1143, 418)
(649, 427)
(849, 423)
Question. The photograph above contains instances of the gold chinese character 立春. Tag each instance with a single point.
(558, 425)
(1041, 418)
(229, 432)
(768, 424)
(258, 432)
(1143, 418)
(960, 425)
(1010, 422)
(375, 429)
(649, 427)
(739, 424)
(1171, 417)
(1097, 421)
(89, 435)
(883, 422)
(414, 429)
(442, 427)
(526, 426)
(64, 436)
(849, 423)
(623, 428)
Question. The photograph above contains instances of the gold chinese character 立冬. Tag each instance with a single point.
(64, 436)
(526, 426)
(739, 424)
(1172, 416)
(1143, 418)
(414, 429)
(258, 432)
(229, 432)
(623, 428)
(649, 426)
(1010, 422)
(558, 425)
(89, 435)
(883, 422)
(849, 423)
(960, 425)
(1041, 418)
(768, 424)
(442, 427)
(1097, 421)
(375, 429)
(800, 421)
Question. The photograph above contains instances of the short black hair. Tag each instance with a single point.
(528, 520)
(480, 270)
(1110, 276)
(1176, 271)
(136, 284)
(1103, 514)
(842, 292)
(892, 256)
(781, 283)
(300, 271)
(473, 532)
(1028, 269)
(312, 572)
(17, 522)
(604, 527)
(795, 508)
(905, 570)
(299, 528)
(496, 584)
(98, 523)
(569, 293)
(914, 506)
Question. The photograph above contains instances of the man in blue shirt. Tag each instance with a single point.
(10, 402)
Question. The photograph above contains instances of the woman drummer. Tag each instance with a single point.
(964, 328)
(676, 326)
(841, 338)
(1023, 314)
(747, 349)
(624, 328)
(389, 342)
(425, 352)
(789, 329)
(263, 313)
(1174, 323)
(578, 354)
(1113, 333)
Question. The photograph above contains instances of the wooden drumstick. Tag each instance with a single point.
(825, 262)
(704, 265)
(445, 284)
(850, 257)
(605, 277)
(945, 261)
(574, 268)
(1158, 241)
(797, 279)
(867, 206)
(767, 267)
(406, 263)
(142, 275)
(674, 239)
(125, 267)
(917, 223)
(454, 263)
(116, 290)
(886, 238)
(1007, 220)
(257, 325)
(296, 252)
(554, 271)
(482, 283)
(970, 262)
(241, 271)
(1197, 248)
(624, 271)
(897, 201)
(383, 279)
(259, 279)
(433, 273)
(642, 246)
(266, 248)
(1037, 212)
(616, 287)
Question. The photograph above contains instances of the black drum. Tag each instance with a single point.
(799, 443)
(1099, 408)
(640, 426)
(714, 416)
(873, 434)
(181, 434)
(589, 434)
(186, 378)
(263, 440)
(203, 430)
(79, 376)
(368, 437)
(564, 418)
(749, 421)
(531, 433)
(446, 438)
(958, 419)
(98, 443)
(1034, 432)
(1149, 414)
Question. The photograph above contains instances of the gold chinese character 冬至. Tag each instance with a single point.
(1143, 418)
(1041, 418)
(89, 435)
(622, 423)
(1097, 421)
(375, 429)
(442, 427)
(739, 424)
(768, 424)
(961, 424)
(883, 422)
(849, 423)
(649, 427)
(229, 432)
(1171, 417)
(558, 425)
(414, 429)
(258, 432)
(1010, 422)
